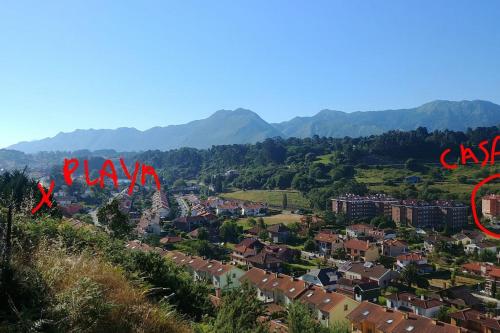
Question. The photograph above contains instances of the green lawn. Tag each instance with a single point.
(274, 219)
(376, 178)
(271, 197)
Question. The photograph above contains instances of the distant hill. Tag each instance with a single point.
(245, 126)
(223, 127)
(434, 115)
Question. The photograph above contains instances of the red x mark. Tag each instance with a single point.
(45, 197)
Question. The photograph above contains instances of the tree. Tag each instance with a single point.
(239, 311)
(409, 274)
(310, 245)
(443, 314)
(179, 183)
(329, 217)
(18, 193)
(203, 233)
(414, 165)
(252, 222)
(300, 319)
(230, 231)
(284, 202)
(115, 220)
(261, 224)
(488, 256)
(382, 222)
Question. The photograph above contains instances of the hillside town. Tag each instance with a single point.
(390, 266)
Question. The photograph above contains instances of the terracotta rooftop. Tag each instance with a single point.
(247, 243)
(171, 240)
(357, 244)
(263, 258)
(393, 321)
(289, 286)
(410, 257)
(321, 299)
(326, 237)
(365, 270)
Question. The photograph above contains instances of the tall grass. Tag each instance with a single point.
(84, 293)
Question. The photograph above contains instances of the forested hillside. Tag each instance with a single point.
(320, 167)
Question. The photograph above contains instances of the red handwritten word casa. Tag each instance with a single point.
(108, 170)
(467, 154)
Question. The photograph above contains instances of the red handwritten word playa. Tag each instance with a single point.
(108, 170)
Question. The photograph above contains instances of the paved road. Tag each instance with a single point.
(182, 205)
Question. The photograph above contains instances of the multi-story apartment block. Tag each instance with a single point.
(421, 214)
(358, 207)
(454, 214)
(491, 206)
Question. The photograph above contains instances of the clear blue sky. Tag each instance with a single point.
(105, 64)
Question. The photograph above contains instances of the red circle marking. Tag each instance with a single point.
(473, 205)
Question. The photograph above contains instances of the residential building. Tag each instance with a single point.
(227, 209)
(427, 307)
(373, 318)
(274, 287)
(431, 241)
(219, 274)
(475, 321)
(459, 297)
(415, 258)
(325, 278)
(368, 272)
(490, 206)
(394, 247)
(480, 248)
(358, 230)
(265, 260)
(253, 209)
(453, 214)
(492, 285)
(246, 248)
(421, 214)
(159, 204)
(468, 237)
(189, 223)
(282, 252)
(169, 240)
(149, 223)
(361, 250)
(359, 290)
(478, 268)
(358, 207)
(278, 233)
(328, 307)
(328, 242)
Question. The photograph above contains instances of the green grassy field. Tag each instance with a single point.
(274, 219)
(272, 198)
(458, 182)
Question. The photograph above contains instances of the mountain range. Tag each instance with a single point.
(245, 126)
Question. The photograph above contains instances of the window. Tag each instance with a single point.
(346, 307)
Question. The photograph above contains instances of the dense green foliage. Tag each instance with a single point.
(293, 163)
(239, 311)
